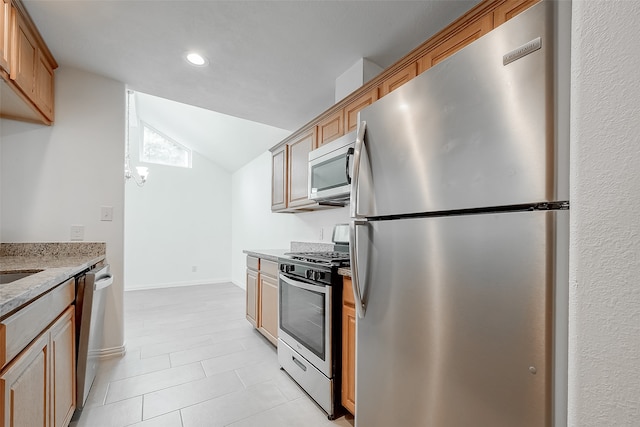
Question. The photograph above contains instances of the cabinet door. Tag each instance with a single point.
(330, 128)
(349, 358)
(299, 169)
(509, 9)
(44, 85)
(351, 110)
(5, 34)
(252, 297)
(456, 42)
(279, 179)
(63, 372)
(24, 51)
(398, 79)
(25, 387)
(268, 322)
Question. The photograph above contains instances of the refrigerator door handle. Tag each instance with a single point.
(355, 279)
(349, 154)
(355, 178)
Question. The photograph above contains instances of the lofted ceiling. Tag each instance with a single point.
(270, 62)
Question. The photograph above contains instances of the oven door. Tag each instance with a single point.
(304, 322)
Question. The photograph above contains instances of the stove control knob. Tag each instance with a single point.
(318, 275)
(308, 274)
(286, 268)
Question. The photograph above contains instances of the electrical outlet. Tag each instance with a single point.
(77, 232)
(106, 213)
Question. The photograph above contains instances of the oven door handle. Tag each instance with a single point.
(303, 285)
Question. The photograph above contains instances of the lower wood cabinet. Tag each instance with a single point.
(63, 369)
(252, 297)
(348, 347)
(268, 313)
(38, 386)
(262, 296)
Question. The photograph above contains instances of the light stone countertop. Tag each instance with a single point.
(344, 271)
(270, 254)
(58, 263)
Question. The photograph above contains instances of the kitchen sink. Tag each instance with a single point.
(12, 277)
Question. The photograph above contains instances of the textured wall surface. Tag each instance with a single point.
(604, 325)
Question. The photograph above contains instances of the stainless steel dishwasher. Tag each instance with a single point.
(90, 303)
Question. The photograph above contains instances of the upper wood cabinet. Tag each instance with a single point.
(25, 56)
(352, 109)
(43, 85)
(26, 66)
(509, 9)
(343, 116)
(457, 41)
(401, 77)
(279, 178)
(298, 169)
(290, 172)
(5, 34)
(330, 128)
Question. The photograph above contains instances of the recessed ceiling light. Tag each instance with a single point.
(196, 59)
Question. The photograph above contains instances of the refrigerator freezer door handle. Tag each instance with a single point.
(355, 279)
(353, 202)
(349, 154)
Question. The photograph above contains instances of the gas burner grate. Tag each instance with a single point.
(320, 256)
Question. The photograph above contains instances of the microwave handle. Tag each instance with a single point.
(349, 154)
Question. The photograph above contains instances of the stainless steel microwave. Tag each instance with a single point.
(330, 171)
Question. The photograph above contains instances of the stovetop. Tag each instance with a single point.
(335, 257)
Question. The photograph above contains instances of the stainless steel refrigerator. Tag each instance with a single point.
(459, 236)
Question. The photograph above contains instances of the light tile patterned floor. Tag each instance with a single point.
(193, 360)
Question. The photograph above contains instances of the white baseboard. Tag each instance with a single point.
(242, 286)
(176, 284)
(108, 353)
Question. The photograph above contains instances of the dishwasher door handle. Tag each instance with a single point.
(103, 282)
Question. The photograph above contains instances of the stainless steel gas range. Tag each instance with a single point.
(309, 322)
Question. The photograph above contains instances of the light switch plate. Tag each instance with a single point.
(106, 213)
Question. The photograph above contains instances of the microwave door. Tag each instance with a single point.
(329, 175)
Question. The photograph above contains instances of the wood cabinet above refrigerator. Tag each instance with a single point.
(287, 173)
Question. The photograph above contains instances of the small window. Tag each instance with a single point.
(159, 148)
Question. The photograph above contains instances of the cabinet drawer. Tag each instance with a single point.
(17, 331)
(253, 263)
(269, 268)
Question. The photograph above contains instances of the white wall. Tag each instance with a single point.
(254, 226)
(604, 307)
(181, 218)
(56, 176)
